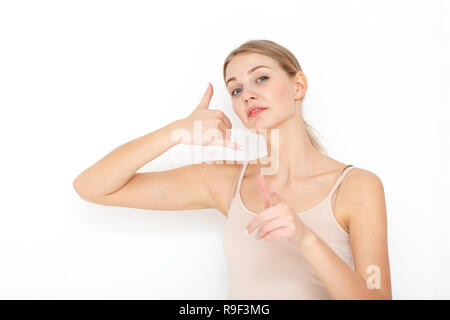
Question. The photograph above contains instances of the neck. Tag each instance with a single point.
(290, 154)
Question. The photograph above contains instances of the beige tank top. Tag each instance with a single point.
(276, 269)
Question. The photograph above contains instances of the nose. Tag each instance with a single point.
(247, 95)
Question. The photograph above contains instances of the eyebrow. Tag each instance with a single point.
(248, 72)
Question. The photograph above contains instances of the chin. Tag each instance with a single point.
(258, 125)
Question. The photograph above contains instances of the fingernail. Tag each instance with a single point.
(208, 86)
(246, 232)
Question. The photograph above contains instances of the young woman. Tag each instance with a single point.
(315, 229)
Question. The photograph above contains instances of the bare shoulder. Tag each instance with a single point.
(360, 181)
(222, 181)
(360, 190)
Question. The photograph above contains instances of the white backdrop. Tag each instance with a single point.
(79, 78)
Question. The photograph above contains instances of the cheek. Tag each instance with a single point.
(275, 92)
(287, 97)
(281, 97)
(285, 94)
(240, 112)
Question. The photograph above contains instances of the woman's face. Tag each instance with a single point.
(268, 86)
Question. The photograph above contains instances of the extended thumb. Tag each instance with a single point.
(206, 99)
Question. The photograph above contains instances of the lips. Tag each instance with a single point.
(253, 108)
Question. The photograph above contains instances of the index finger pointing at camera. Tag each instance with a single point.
(270, 197)
(262, 187)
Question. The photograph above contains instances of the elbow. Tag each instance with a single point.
(81, 191)
(76, 185)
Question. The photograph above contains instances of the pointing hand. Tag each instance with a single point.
(278, 220)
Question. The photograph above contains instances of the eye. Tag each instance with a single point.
(232, 93)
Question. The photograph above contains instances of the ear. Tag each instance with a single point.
(301, 85)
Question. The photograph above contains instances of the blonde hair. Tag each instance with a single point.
(288, 63)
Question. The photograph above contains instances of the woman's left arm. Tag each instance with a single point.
(365, 204)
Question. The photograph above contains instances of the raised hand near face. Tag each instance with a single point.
(215, 125)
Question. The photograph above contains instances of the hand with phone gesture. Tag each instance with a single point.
(215, 125)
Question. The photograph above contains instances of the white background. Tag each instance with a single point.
(79, 78)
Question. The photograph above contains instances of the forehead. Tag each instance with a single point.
(241, 63)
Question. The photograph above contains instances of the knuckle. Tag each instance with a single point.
(290, 218)
(219, 114)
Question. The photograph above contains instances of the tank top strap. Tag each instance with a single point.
(238, 187)
(241, 176)
(341, 177)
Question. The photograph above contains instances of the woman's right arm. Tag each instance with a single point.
(113, 180)
(114, 170)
